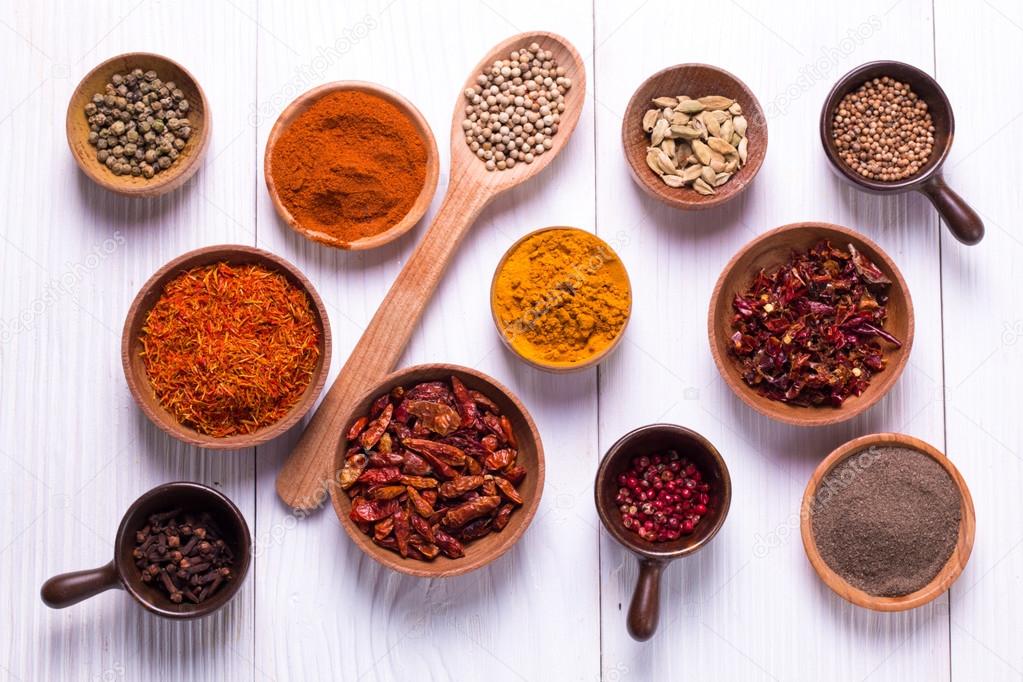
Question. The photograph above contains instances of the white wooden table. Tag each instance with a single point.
(75, 450)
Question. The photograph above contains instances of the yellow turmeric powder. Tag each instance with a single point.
(561, 297)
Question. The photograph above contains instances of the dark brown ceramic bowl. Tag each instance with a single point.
(771, 250)
(530, 455)
(644, 611)
(694, 80)
(135, 370)
(962, 220)
(67, 589)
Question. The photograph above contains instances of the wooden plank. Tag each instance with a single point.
(983, 319)
(749, 606)
(342, 612)
(74, 449)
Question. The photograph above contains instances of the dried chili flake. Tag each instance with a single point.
(230, 349)
(415, 469)
(809, 333)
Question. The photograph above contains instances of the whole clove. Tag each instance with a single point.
(184, 555)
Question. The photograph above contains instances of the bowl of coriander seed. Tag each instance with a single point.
(138, 124)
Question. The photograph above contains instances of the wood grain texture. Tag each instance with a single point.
(75, 450)
(955, 563)
(734, 598)
(983, 321)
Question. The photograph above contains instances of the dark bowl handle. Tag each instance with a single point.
(645, 609)
(962, 220)
(66, 589)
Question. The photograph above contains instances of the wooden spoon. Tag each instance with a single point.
(303, 481)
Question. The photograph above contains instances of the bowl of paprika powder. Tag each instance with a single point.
(351, 164)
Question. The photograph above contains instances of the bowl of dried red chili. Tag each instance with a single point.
(226, 347)
(811, 324)
(439, 471)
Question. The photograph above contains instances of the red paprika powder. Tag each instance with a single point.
(350, 166)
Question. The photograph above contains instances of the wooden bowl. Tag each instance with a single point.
(644, 610)
(135, 370)
(555, 367)
(946, 576)
(67, 589)
(190, 157)
(694, 80)
(962, 221)
(771, 250)
(488, 548)
(422, 202)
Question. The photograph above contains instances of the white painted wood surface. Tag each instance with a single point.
(75, 451)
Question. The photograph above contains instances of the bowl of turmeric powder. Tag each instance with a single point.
(351, 164)
(561, 299)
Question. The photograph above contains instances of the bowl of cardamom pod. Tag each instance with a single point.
(694, 135)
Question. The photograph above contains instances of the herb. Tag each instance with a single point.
(431, 468)
(184, 555)
(809, 332)
(886, 520)
(230, 349)
(139, 124)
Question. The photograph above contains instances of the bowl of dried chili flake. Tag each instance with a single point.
(226, 347)
(811, 324)
(439, 471)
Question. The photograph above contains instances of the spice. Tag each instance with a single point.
(431, 468)
(700, 142)
(184, 555)
(350, 166)
(886, 520)
(139, 123)
(883, 130)
(809, 332)
(514, 110)
(561, 297)
(230, 349)
(663, 497)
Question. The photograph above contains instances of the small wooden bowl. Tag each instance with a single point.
(644, 610)
(962, 221)
(190, 157)
(555, 367)
(694, 80)
(948, 574)
(135, 370)
(771, 250)
(422, 202)
(67, 589)
(488, 548)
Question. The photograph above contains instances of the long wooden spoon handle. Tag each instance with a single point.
(303, 482)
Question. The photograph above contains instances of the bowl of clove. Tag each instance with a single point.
(182, 551)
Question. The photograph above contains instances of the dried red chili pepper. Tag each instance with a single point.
(807, 333)
(422, 452)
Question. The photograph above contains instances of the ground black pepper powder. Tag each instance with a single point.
(886, 520)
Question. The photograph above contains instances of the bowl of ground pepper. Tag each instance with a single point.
(887, 522)
(561, 299)
(351, 164)
(226, 347)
